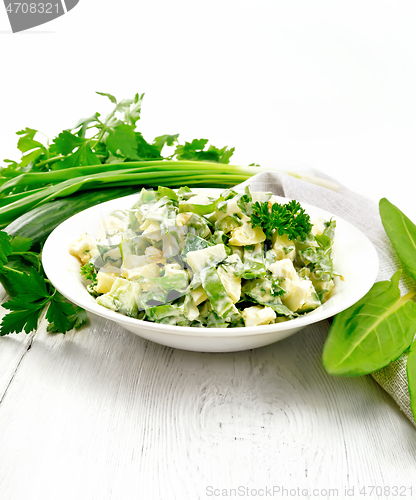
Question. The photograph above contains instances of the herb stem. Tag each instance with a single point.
(50, 160)
(13, 270)
(409, 295)
(27, 253)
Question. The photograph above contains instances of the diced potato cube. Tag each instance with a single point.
(172, 269)
(198, 295)
(258, 315)
(324, 286)
(151, 230)
(232, 283)
(284, 248)
(83, 248)
(246, 235)
(238, 251)
(153, 254)
(305, 272)
(318, 226)
(311, 301)
(304, 289)
(200, 199)
(182, 218)
(122, 297)
(283, 269)
(289, 286)
(105, 281)
(147, 271)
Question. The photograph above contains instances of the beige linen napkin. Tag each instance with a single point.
(364, 214)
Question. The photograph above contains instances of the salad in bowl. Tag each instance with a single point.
(209, 260)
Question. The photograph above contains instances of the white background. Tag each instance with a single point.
(322, 83)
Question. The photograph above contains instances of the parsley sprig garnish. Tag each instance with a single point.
(89, 272)
(30, 292)
(290, 219)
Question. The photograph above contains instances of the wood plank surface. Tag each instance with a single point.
(12, 350)
(103, 414)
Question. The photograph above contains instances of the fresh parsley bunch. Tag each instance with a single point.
(114, 139)
(30, 292)
(290, 219)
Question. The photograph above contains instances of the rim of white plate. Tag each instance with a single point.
(62, 269)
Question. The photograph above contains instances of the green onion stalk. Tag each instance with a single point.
(42, 187)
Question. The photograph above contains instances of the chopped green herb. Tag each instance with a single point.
(290, 219)
(89, 272)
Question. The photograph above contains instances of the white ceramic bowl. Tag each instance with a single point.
(354, 256)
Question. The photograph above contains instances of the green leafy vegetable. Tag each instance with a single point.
(26, 142)
(32, 286)
(195, 150)
(254, 265)
(320, 257)
(63, 316)
(218, 297)
(290, 219)
(162, 140)
(23, 316)
(5, 248)
(82, 156)
(30, 292)
(111, 97)
(381, 326)
(20, 244)
(373, 332)
(266, 292)
(65, 143)
(402, 234)
(121, 141)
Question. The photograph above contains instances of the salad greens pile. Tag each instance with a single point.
(188, 259)
(381, 326)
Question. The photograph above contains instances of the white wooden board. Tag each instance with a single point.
(102, 414)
